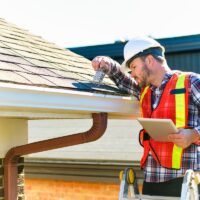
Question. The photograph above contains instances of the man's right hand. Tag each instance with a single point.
(103, 62)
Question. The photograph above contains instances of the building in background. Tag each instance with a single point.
(182, 53)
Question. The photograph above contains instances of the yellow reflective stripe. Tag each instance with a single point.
(141, 99)
(176, 157)
(180, 120)
(143, 93)
(180, 102)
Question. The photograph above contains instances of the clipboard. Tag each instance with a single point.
(158, 129)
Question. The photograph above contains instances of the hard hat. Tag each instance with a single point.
(140, 46)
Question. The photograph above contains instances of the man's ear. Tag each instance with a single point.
(149, 60)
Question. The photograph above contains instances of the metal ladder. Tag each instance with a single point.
(129, 187)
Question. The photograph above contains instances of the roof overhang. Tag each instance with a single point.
(33, 102)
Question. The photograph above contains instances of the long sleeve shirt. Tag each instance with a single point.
(191, 156)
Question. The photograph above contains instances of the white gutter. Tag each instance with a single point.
(38, 102)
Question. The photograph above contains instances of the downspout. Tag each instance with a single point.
(11, 159)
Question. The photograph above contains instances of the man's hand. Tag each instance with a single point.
(103, 62)
(184, 137)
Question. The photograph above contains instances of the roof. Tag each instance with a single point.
(173, 44)
(38, 75)
(29, 60)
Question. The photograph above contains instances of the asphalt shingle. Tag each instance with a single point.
(30, 60)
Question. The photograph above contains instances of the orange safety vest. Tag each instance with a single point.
(173, 105)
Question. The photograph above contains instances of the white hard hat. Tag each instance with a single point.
(139, 46)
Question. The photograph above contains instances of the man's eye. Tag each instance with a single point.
(133, 67)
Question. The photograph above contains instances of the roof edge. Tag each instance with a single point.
(39, 102)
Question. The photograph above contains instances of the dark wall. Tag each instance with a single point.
(186, 61)
(182, 53)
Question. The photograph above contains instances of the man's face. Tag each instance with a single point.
(140, 72)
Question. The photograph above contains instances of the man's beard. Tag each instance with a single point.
(145, 75)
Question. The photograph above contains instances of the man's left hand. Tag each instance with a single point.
(184, 137)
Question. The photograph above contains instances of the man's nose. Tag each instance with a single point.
(132, 74)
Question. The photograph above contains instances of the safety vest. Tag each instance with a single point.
(173, 105)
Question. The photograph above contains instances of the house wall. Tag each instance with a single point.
(43, 189)
(120, 141)
(81, 182)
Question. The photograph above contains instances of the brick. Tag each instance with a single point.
(41, 189)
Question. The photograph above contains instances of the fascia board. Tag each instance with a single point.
(39, 102)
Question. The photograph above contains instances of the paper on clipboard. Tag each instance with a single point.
(158, 129)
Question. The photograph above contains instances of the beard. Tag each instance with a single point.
(144, 78)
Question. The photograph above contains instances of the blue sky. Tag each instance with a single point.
(71, 23)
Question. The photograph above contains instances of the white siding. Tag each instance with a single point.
(120, 142)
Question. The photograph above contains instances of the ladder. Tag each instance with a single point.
(129, 187)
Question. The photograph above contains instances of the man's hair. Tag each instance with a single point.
(160, 59)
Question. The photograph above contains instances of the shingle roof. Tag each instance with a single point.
(30, 60)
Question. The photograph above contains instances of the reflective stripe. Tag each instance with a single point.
(141, 99)
(180, 120)
(180, 102)
(143, 93)
(176, 157)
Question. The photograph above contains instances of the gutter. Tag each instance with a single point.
(50, 103)
(11, 159)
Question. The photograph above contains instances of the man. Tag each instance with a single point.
(163, 93)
